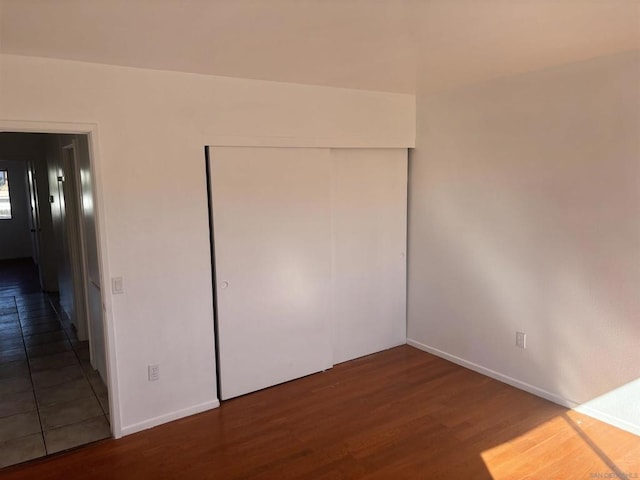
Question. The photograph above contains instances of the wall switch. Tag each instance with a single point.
(521, 340)
(154, 372)
(117, 286)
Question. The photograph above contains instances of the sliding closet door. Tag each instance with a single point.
(272, 238)
(369, 195)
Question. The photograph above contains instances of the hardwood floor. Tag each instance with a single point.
(398, 414)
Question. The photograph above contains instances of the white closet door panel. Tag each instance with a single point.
(272, 236)
(369, 196)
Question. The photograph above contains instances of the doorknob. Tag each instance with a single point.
(224, 285)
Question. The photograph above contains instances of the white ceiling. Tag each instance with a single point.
(367, 44)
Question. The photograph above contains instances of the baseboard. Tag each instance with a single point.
(169, 417)
(610, 419)
(552, 397)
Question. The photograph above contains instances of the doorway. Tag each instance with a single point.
(53, 370)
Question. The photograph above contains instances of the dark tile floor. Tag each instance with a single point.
(51, 399)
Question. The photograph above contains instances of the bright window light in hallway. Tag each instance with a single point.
(5, 200)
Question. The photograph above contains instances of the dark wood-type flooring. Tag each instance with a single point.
(398, 414)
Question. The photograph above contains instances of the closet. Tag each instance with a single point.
(310, 259)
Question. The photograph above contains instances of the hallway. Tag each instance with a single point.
(51, 399)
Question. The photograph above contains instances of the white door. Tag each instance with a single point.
(369, 204)
(272, 238)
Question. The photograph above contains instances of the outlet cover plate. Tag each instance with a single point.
(154, 372)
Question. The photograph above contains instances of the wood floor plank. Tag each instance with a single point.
(398, 414)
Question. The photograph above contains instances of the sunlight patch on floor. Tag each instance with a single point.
(572, 436)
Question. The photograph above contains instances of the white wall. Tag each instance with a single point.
(15, 238)
(152, 127)
(525, 216)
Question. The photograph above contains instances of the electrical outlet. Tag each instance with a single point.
(117, 286)
(521, 340)
(154, 372)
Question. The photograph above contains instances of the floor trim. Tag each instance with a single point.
(552, 397)
(169, 417)
(610, 419)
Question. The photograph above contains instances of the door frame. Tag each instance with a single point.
(91, 130)
(75, 237)
(34, 217)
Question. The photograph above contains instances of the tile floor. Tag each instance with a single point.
(51, 399)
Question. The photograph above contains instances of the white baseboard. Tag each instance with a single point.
(552, 397)
(610, 419)
(169, 417)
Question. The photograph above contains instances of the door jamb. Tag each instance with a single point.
(77, 251)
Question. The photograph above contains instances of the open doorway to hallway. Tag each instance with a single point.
(53, 393)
